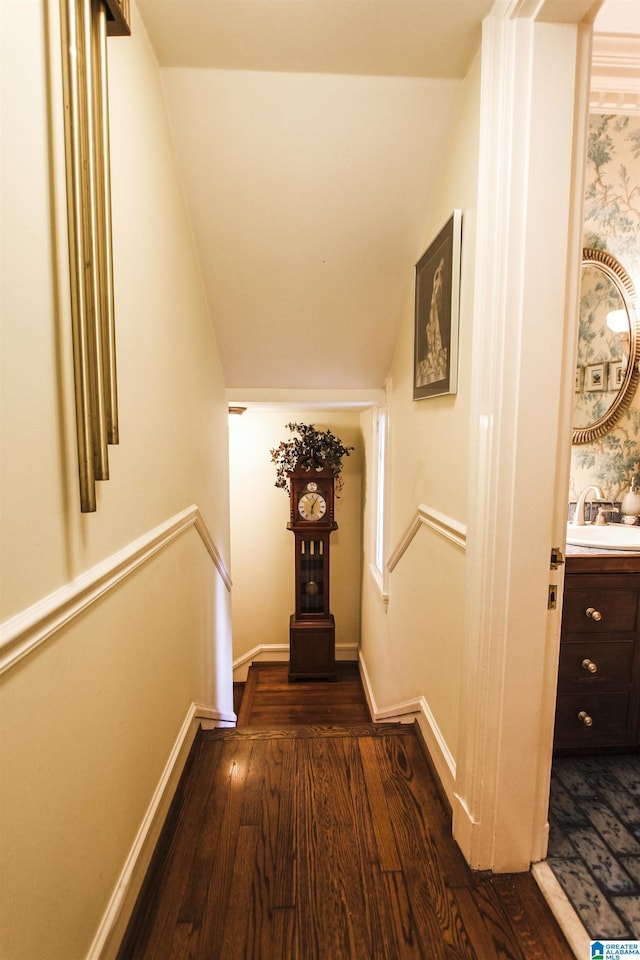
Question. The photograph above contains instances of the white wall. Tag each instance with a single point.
(412, 649)
(89, 719)
(262, 547)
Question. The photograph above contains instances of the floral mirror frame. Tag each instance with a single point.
(592, 378)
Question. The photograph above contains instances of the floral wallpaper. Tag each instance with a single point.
(611, 223)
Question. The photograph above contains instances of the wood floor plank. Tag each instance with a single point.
(184, 942)
(329, 901)
(194, 885)
(218, 861)
(388, 857)
(538, 933)
(306, 731)
(409, 758)
(379, 905)
(406, 938)
(269, 698)
(305, 841)
(402, 771)
(284, 856)
(159, 899)
(243, 934)
(479, 937)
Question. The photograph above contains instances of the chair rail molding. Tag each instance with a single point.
(25, 631)
(426, 516)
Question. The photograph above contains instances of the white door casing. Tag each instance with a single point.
(534, 106)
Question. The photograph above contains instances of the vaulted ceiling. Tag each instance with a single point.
(310, 136)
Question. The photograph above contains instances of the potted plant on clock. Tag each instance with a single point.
(310, 449)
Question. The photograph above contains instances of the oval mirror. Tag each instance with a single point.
(608, 338)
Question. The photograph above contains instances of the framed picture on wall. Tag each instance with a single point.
(579, 379)
(595, 377)
(617, 369)
(437, 301)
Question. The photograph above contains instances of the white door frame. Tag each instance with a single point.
(534, 112)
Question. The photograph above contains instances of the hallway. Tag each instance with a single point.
(323, 842)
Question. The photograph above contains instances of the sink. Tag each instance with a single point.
(613, 536)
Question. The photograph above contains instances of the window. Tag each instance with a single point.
(380, 483)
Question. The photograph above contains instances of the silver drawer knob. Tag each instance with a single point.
(589, 665)
(593, 613)
(585, 719)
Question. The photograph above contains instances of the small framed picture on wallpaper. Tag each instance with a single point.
(437, 300)
(579, 379)
(617, 370)
(595, 377)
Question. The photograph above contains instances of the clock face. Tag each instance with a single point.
(312, 506)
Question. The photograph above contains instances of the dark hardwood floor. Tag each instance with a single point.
(308, 833)
(269, 698)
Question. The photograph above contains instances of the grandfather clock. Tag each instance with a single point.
(312, 631)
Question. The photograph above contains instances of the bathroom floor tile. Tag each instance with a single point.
(598, 916)
(594, 841)
(613, 832)
(565, 809)
(625, 806)
(632, 866)
(629, 907)
(627, 772)
(559, 843)
(611, 875)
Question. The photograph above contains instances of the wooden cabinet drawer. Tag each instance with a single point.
(600, 629)
(614, 598)
(610, 715)
(613, 662)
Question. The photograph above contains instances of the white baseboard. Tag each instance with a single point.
(279, 652)
(406, 712)
(113, 926)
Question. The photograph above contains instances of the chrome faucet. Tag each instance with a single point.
(578, 519)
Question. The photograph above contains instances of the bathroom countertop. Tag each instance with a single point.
(572, 550)
(595, 560)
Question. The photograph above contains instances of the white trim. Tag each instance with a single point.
(448, 528)
(304, 399)
(406, 712)
(532, 83)
(107, 940)
(615, 74)
(25, 631)
(379, 581)
(279, 653)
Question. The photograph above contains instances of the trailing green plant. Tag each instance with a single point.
(311, 448)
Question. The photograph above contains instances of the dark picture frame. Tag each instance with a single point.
(437, 303)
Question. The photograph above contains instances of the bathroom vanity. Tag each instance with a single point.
(598, 703)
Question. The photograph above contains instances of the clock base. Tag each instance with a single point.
(312, 649)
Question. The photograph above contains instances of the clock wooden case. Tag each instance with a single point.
(312, 626)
